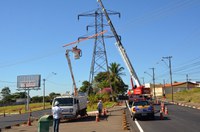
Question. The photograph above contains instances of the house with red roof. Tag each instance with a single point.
(161, 89)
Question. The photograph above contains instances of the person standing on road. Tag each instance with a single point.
(100, 107)
(57, 114)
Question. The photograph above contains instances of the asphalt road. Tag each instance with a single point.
(112, 122)
(11, 120)
(179, 119)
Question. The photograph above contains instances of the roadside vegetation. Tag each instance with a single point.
(17, 109)
(187, 96)
(111, 80)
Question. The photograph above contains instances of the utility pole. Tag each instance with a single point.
(187, 81)
(154, 89)
(170, 73)
(143, 81)
(153, 78)
(164, 88)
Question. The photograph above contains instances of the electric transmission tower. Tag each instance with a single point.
(99, 59)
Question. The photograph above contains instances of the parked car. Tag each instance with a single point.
(140, 109)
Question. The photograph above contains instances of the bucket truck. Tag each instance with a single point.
(76, 104)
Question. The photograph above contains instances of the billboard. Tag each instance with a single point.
(28, 81)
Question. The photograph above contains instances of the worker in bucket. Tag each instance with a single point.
(100, 107)
(57, 114)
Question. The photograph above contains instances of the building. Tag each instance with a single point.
(161, 89)
(179, 86)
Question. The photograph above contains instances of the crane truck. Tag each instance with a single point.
(138, 90)
(142, 107)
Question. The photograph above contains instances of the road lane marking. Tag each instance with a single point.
(138, 125)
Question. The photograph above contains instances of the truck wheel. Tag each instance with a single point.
(152, 117)
(83, 112)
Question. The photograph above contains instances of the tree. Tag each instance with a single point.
(102, 80)
(18, 95)
(37, 99)
(7, 97)
(85, 86)
(116, 71)
(53, 95)
(5, 92)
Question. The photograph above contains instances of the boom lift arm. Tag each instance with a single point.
(77, 54)
(71, 72)
(120, 47)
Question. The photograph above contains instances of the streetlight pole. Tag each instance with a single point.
(53, 73)
(44, 93)
(170, 73)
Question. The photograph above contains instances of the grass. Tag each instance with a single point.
(18, 108)
(192, 95)
(93, 107)
(39, 106)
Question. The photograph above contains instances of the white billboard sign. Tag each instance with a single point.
(28, 81)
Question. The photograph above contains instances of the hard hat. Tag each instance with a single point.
(56, 103)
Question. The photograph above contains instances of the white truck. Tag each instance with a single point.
(71, 105)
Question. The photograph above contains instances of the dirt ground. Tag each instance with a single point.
(112, 122)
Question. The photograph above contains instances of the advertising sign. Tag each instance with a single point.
(28, 81)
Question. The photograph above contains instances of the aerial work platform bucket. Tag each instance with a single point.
(77, 52)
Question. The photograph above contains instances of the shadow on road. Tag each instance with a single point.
(156, 118)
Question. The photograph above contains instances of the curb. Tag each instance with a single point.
(125, 124)
(184, 105)
(18, 124)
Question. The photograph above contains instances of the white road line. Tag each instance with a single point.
(138, 125)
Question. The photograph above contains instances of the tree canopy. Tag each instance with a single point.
(103, 79)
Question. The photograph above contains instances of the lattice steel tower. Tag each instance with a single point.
(99, 58)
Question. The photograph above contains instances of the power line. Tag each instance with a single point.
(163, 11)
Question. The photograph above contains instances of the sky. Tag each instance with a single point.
(32, 33)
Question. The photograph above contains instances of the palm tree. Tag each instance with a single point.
(116, 71)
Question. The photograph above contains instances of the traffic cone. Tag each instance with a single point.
(29, 121)
(157, 102)
(161, 115)
(97, 117)
(166, 110)
(29, 118)
(20, 111)
(30, 113)
(162, 107)
(104, 112)
(4, 113)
